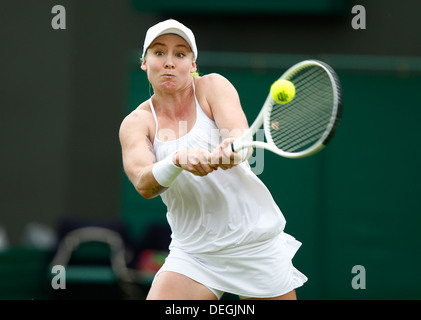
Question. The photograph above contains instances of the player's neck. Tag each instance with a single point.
(174, 106)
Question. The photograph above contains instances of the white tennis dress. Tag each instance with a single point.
(227, 231)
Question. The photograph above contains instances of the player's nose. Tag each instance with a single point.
(169, 64)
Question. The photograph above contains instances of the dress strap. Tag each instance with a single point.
(154, 116)
(194, 93)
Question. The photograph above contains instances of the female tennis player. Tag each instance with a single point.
(227, 231)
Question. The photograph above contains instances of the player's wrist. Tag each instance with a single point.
(244, 154)
(166, 171)
(176, 159)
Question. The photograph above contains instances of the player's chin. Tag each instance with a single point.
(169, 84)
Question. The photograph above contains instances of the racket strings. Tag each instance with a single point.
(302, 134)
(303, 121)
(299, 133)
(295, 121)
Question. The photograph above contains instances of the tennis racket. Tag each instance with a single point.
(303, 126)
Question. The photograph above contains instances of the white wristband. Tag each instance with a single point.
(165, 171)
(244, 153)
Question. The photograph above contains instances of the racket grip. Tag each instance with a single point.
(244, 152)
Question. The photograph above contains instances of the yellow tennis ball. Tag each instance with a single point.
(282, 91)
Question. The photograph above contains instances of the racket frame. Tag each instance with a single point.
(263, 117)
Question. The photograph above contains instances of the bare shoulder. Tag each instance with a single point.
(213, 90)
(139, 121)
(214, 81)
(215, 86)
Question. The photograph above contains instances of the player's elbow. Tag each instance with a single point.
(150, 193)
(145, 193)
(139, 184)
(145, 184)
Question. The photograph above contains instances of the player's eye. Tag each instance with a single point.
(180, 55)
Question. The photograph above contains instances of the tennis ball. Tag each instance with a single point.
(282, 91)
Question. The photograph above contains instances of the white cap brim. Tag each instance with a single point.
(166, 27)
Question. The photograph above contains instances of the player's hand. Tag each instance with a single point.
(223, 157)
(194, 161)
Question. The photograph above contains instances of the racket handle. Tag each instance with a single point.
(244, 152)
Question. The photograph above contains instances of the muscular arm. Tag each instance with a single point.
(138, 156)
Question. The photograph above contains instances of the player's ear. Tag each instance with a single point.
(193, 67)
(143, 66)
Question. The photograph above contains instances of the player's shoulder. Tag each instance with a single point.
(213, 83)
(211, 79)
(140, 118)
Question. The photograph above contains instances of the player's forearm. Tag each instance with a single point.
(146, 185)
(156, 178)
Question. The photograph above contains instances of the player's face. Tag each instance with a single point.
(169, 62)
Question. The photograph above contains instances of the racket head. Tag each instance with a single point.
(304, 125)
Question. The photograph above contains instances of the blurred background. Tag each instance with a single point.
(64, 93)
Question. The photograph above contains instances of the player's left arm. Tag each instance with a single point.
(226, 109)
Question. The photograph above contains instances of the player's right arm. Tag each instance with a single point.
(137, 153)
(149, 177)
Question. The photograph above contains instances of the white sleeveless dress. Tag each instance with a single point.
(227, 231)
